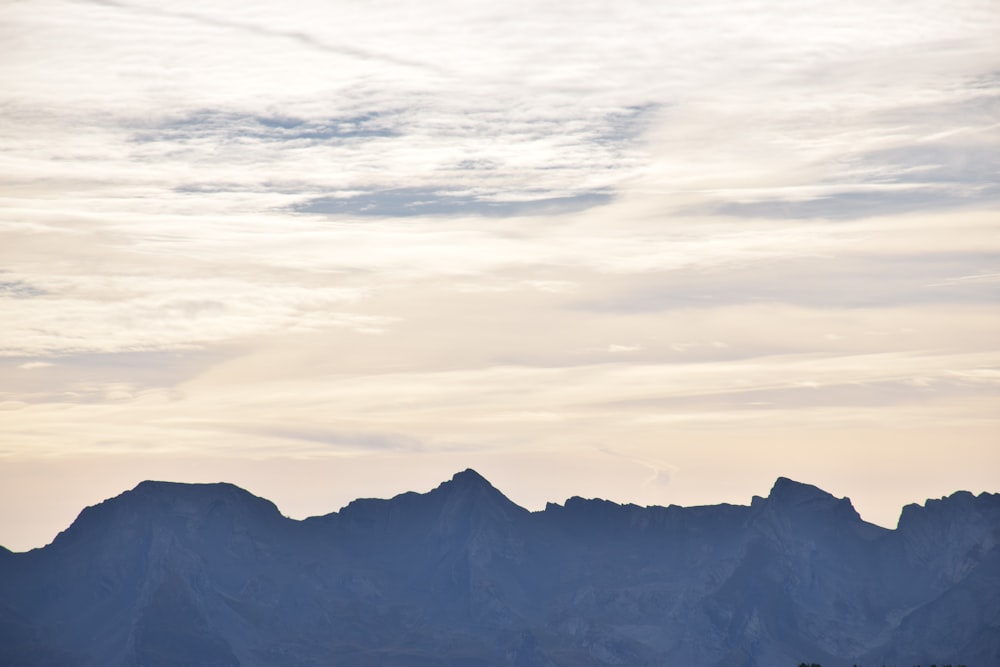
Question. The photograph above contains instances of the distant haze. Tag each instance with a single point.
(651, 252)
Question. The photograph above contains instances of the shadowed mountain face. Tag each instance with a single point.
(208, 574)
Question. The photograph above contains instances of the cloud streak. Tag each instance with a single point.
(300, 37)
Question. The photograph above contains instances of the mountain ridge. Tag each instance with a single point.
(780, 486)
(168, 573)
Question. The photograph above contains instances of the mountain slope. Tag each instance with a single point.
(179, 574)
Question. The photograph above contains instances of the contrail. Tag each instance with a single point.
(300, 37)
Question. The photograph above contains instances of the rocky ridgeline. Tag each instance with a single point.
(191, 574)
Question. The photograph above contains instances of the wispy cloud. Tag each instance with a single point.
(301, 37)
(405, 202)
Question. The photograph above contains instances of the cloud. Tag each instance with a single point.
(404, 202)
(362, 441)
(866, 204)
(19, 289)
(300, 37)
(842, 279)
(439, 232)
(128, 313)
(220, 126)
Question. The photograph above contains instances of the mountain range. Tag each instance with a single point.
(172, 574)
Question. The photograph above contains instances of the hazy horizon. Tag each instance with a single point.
(648, 252)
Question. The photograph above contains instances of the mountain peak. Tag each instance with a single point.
(958, 504)
(196, 496)
(170, 501)
(787, 495)
(469, 477)
(469, 488)
(789, 492)
(467, 482)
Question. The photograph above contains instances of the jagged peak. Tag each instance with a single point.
(789, 492)
(469, 487)
(469, 477)
(959, 501)
(466, 489)
(466, 480)
(581, 503)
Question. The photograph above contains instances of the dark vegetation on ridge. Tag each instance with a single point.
(208, 574)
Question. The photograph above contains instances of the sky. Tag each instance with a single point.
(654, 252)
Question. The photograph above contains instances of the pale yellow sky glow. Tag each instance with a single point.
(642, 251)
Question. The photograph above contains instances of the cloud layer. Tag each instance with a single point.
(672, 251)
